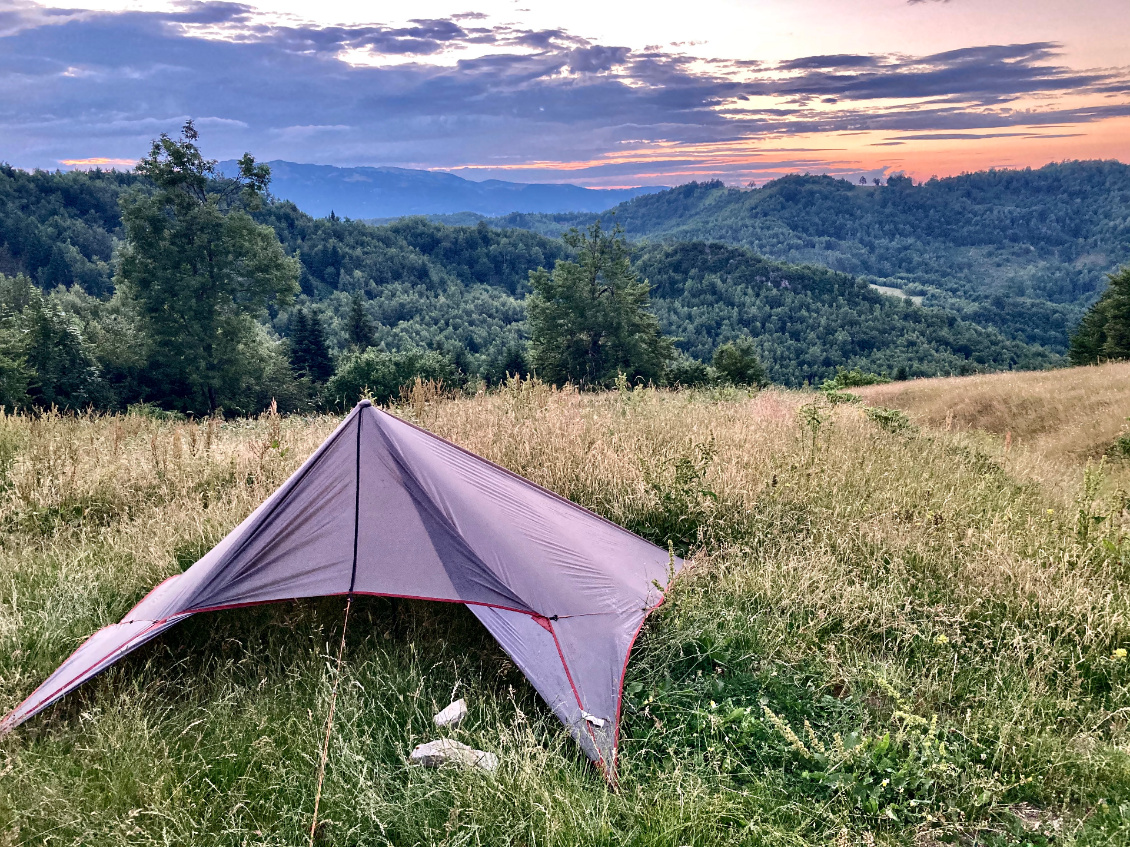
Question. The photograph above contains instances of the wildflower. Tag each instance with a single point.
(941, 639)
(1051, 511)
(1119, 655)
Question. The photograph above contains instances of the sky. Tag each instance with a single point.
(591, 92)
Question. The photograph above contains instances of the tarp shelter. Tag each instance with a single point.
(384, 508)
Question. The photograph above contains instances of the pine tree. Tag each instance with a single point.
(359, 329)
(590, 319)
(1104, 331)
(309, 353)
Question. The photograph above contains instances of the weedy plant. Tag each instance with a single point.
(876, 640)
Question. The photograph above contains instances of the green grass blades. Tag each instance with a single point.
(885, 635)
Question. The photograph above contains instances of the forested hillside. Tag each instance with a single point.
(60, 228)
(808, 321)
(1024, 251)
(459, 290)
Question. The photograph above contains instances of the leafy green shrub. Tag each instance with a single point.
(737, 363)
(891, 420)
(838, 397)
(381, 375)
(155, 412)
(685, 372)
(682, 502)
(852, 379)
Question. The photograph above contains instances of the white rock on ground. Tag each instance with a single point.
(444, 751)
(453, 714)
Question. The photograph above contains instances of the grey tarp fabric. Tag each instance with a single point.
(384, 508)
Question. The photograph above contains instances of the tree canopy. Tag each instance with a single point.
(590, 319)
(200, 272)
(417, 286)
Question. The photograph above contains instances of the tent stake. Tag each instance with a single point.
(329, 722)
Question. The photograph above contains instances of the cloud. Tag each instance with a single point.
(460, 90)
(837, 61)
(98, 162)
(982, 74)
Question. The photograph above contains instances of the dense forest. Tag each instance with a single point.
(1023, 251)
(457, 292)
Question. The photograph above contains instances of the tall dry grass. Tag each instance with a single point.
(1051, 422)
(882, 635)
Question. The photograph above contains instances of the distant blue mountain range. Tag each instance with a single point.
(367, 193)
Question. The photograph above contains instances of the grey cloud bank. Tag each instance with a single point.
(75, 85)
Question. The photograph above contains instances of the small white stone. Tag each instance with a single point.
(593, 719)
(444, 751)
(453, 714)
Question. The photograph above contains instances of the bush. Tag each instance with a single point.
(891, 420)
(685, 372)
(852, 379)
(380, 376)
(736, 363)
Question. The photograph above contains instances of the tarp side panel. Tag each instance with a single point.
(535, 653)
(91, 658)
(595, 649)
(405, 547)
(558, 558)
(298, 544)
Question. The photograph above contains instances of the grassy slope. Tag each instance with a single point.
(903, 593)
(1054, 421)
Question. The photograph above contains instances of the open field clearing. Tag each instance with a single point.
(1044, 425)
(888, 635)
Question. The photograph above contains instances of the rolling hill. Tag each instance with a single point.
(462, 288)
(1022, 251)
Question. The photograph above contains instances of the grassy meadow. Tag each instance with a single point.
(895, 629)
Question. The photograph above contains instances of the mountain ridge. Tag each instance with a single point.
(384, 192)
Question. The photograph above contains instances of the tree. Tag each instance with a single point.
(201, 271)
(44, 359)
(590, 319)
(15, 374)
(737, 363)
(1104, 331)
(685, 372)
(509, 360)
(359, 329)
(309, 354)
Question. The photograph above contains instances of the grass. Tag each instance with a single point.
(1043, 424)
(889, 634)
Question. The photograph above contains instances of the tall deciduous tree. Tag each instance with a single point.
(201, 271)
(1104, 332)
(590, 319)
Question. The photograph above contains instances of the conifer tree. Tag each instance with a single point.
(1104, 331)
(590, 319)
(309, 354)
(359, 329)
